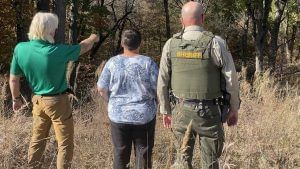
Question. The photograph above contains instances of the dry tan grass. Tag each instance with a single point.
(267, 136)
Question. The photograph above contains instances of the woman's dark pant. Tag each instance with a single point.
(142, 137)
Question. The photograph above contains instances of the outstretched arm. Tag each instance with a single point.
(88, 43)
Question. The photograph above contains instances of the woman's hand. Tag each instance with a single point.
(167, 120)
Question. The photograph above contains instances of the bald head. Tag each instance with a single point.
(192, 13)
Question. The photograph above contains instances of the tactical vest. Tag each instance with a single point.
(194, 75)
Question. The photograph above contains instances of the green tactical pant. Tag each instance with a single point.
(190, 121)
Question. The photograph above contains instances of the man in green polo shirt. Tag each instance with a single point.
(43, 64)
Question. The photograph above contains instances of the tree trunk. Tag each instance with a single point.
(73, 33)
(20, 26)
(298, 25)
(259, 46)
(168, 28)
(287, 35)
(73, 67)
(290, 45)
(259, 14)
(298, 55)
(60, 10)
(245, 43)
(259, 58)
(281, 59)
(298, 20)
(118, 48)
(42, 5)
(288, 52)
(280, 5)
(290, 40)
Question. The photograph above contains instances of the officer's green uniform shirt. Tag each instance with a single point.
(43, 64)
(221, 57)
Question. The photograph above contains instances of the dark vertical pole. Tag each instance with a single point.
(73, 33)
(167, 15)
(20, 20)
(60, 10)
(42, 5)
(73, 67)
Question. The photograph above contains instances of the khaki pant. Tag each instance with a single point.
(54, 110)
(203, 121)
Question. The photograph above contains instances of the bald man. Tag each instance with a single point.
(197, 68)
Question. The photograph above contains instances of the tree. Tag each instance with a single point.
(73, 26)
(298, 4)
(7, 34)
(280, 6)
(259, 13)
(168, 28)
(244, 41)
(298, 25)
(42, 5)
(128, 7)
(20, 20)
(60, 10)
(291, 30)
(105, 32)
(73, 67)
(290, 43)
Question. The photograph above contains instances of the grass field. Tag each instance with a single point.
(267, 135)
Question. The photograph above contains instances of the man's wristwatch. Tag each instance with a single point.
(19, 98)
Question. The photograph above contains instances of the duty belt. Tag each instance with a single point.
(195, 102)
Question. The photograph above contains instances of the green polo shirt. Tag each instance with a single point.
(44, 65)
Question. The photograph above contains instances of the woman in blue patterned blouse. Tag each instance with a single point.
(128, 83)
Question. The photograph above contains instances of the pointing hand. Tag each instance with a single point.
(94, 37)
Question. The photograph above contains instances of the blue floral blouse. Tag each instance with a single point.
(131, 83)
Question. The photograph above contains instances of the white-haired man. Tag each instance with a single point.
(43, 64)
(192, 66)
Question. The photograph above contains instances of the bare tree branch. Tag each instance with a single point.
(111, 31)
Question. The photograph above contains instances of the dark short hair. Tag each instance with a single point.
(131, 39)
